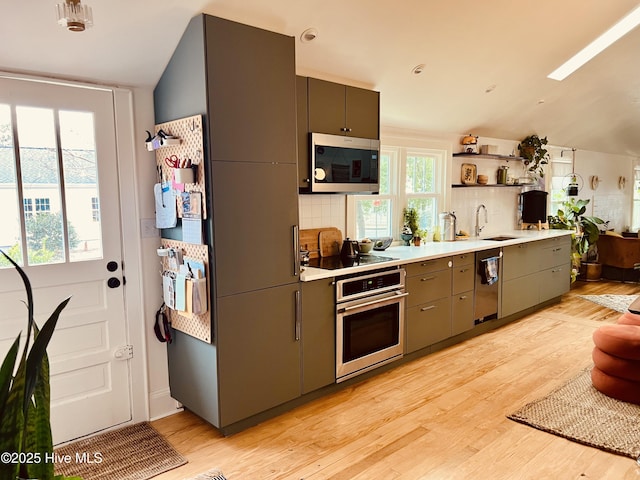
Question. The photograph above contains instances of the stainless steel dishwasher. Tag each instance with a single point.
(487, 285)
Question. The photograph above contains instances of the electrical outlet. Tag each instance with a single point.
(148, 228)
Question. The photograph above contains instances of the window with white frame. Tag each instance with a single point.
(409, 177)
(635, 217)
(561, 169)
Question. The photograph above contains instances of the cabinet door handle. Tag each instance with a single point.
(298, 316)
(464, 270)
(344, 129)
(424, 279)
(556, 270)
(430, 307)
(462, 297)
(296, 250)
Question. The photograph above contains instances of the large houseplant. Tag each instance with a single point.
(587, 231)
(532, 149)
(25, 429)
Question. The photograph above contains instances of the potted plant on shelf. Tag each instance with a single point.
(25, 428)
(532, 149)
(410, 225)
(584, 252)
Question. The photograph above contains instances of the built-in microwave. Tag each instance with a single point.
(341, 164)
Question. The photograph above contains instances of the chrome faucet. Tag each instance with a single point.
(478, 227)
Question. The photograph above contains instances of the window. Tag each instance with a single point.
(635, 219)
(50, 169)
(409, 177)
(43, 205)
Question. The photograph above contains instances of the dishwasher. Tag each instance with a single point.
(487, 285)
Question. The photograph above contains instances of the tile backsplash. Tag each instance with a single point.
(319, 211)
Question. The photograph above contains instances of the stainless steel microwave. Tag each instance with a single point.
(341, 164)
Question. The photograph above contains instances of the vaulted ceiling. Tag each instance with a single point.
(485, 63)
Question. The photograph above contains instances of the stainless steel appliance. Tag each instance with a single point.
(369, 321)
(487, 284)
(341, 164)
(448, 226)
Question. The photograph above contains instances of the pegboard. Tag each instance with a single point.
(189, 131)
(198, 326)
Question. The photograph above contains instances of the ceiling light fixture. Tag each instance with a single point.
(75, 16)
(309, 35)
(418, 69)
(620, 29)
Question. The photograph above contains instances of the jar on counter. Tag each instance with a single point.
(502, 174)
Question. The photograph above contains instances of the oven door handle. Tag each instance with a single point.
(380, 300)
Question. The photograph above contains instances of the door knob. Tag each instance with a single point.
(112, 266)
(113, 282)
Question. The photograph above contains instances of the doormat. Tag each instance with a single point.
(580, 413)
(209, 475)
(135, 452)
(619, 303)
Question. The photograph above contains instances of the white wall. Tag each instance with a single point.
(160, 402)
(608, 202)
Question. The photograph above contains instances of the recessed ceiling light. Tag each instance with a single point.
(309, 35)
(541, 101)
(418, 69)
(624, 26)
(490, 88)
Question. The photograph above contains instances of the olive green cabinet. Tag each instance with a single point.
(343, 110)
(258, 351)
(318, 334)
(462, 293)
(428, 316)
(535, 272)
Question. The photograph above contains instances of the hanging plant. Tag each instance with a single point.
(535, 155)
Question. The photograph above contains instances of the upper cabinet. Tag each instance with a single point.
(251, 85)
(343, 110)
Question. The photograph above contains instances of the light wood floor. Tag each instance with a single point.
(442, 416)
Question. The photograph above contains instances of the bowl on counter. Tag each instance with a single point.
(365, 247)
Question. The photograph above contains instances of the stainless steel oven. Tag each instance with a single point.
(369, 321)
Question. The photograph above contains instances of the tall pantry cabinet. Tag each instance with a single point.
(242, 79)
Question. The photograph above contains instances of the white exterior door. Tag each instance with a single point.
(60, 220)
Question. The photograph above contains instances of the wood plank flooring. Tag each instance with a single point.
(439, 417)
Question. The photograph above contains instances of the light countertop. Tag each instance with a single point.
(431, 250)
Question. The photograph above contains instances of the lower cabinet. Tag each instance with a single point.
(428, 324)
(318, 334)
(462, 289)
(428, 313)
(524, 285)
(259, 348)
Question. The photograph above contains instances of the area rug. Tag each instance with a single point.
(210, 475)
(578, 412)
(619, 303)
(136, 452)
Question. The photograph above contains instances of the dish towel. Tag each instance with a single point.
(489, 272)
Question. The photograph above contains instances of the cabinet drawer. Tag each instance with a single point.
(463, 259)
(520, 260)
(519, 294)
(556, 253)
(426, 266)
(463, 278)
(462, 312)
(427, 324)
(555, 281)
(428, 287)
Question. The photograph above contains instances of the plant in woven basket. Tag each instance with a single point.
(25, 428)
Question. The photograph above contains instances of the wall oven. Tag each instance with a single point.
(369, 321)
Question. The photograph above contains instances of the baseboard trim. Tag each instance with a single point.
(161, 404)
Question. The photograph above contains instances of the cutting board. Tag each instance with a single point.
(330, 242)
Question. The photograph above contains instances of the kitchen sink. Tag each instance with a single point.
(500, 238)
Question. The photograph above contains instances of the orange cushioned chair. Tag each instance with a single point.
(616, 357)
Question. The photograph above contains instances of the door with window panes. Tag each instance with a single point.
(61, 223)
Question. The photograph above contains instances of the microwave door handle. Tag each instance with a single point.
(367, 304)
